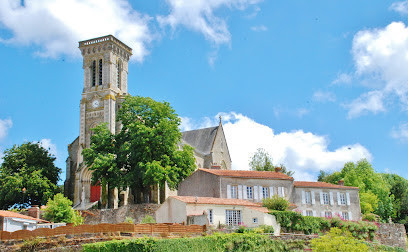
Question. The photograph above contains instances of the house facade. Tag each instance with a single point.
(214, 212)
(318, 199)
(11, 221)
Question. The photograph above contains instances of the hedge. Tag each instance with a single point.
(293, 221)
(216, 242)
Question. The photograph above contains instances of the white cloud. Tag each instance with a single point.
(5, 125)
(49, 146)
(367, 102)
(321, 96)
(303, 152)
(381, 60)
(400, 133)
(342, 78)
(400, 7)
(199, 16)
(259, 28)
(55, 26)
(189, 124)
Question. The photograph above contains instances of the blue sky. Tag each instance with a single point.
(315, 83)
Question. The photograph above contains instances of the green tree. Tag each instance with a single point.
(27, 174)
(59, 209)
(145, 152)
(262, 161)
(276, 203)
(399, 188)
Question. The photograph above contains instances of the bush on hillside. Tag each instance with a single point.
(338, 240)
(276, 203)
(59, 209)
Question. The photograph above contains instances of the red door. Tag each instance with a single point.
(95, 193)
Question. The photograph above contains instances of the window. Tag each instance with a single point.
(328, 214)
(255, 220)
(345, 215)
(308, 199)
(342, 198)
(234, 192)
(281, 192)
(25, 227)
(309, 213)
(232, 217)
(325, 198)
(93, 68)
(210, 216)
(250, 192)
(100, 72)
(265, 192)
(118, 72)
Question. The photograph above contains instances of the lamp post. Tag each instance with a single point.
(23, 190)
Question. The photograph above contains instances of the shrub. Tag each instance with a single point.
(130, 220)
(369, 217)
(59, 209)
(338, 240)
(148, 219)
(276, 203)
(216, 242)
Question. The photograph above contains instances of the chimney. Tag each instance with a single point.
(278, 169)
(34, 211)
(341, 182)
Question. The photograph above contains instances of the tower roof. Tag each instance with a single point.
(108, 39)
(201, 139)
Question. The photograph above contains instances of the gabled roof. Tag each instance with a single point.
(214, 201)
(248, 174)
(321, 185)
(201, 139)
(11, 214)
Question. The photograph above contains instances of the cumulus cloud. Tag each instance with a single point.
(342, 78)
(259, 28)
(400, 133)
(199, 16)
(380, 57)
(5, 125)
(303, 152)
(55, 26)
(321, 96)
(49, 146)
(400, 7)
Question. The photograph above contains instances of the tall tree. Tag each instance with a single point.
(262, 161)
(27, 175)
(145, 152)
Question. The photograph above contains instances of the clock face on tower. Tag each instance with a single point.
(95, 103)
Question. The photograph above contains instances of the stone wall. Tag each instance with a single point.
(392, 234)
(135, 211)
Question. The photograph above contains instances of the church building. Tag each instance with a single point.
(105, 64)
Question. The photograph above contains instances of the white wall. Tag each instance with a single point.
(171, 211)
(14, 224)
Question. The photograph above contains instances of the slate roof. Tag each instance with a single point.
(248, 174)
(11, 214)
(201, 139)
(215, 201)
(321, 185)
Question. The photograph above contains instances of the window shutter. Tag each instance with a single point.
(244, 190)
(304, 212)
(314, 213)
(313, 198)
(239, 191)
(331, 199)
(338, 199)
(270, 192)
(260, 193)
(255, 193)
(350, 216)
(283, 191)
(348, 199)
(303, 197)
(322, 214)
(321, 198)
(228, 191)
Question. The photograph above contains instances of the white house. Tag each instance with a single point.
(11, 221)
(214, 211)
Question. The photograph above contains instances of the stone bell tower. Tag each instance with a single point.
(105, 64)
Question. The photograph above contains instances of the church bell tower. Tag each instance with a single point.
(105, 64)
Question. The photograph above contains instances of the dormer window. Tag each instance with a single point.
(93, 69)
(100, 72)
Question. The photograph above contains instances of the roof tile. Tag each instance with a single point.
(248, 174)
(215, 201)
(321, 185)
(11, 214)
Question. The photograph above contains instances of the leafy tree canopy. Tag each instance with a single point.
(262, 161)
(145, 152)
(27, 174)
(59, 209)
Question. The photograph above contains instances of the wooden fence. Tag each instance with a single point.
(103, 228)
